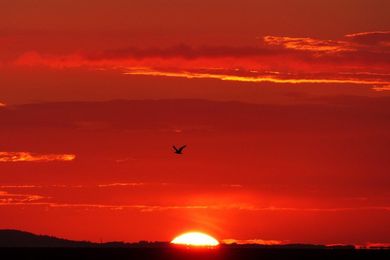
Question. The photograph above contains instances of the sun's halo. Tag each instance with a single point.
(195, 239)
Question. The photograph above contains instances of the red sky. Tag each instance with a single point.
(285, 108)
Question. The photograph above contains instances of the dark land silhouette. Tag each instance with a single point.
(16, 244)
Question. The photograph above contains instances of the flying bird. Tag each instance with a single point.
(179, 150)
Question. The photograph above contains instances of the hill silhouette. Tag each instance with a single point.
(15, 244)
(17, 238)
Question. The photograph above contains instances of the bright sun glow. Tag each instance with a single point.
(195, 239)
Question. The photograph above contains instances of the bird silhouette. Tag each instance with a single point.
(179, 150)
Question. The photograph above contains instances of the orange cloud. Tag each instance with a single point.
(15, 198)
(10, 199)
(309, 44)
(370, 245)
(121, 184)
(265, 78)
(19, 186)
(32, 157)
(381, 88)
(381, 38)
(360, 59)
(105, 185)
(31, 200)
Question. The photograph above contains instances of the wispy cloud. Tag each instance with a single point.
(236, 186)
(7, 198)
(34, 157)
(381, 38)
(81, 186)
(256, 78)
(31, 201)
(19, 186)
(122, 184)
(381, 88)
(374, 245)
(337, 209)
(11, 199)
(309, 44)
(254, 241)
(108, 185)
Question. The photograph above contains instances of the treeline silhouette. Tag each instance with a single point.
(15, 244)
(17, 238)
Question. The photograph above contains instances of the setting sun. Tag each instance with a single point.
(195, 239)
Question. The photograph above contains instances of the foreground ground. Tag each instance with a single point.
(175, 253)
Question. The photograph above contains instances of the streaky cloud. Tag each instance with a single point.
(34, 157)
(254, 241)
(309, 44)
(371, 38)
(381, 88)
(357, 59)
(257, 78)
(7, 198)
(121, 184)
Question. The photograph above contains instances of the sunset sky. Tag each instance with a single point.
(284, 106)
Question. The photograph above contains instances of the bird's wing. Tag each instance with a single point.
(181, 148)
(174, 148)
